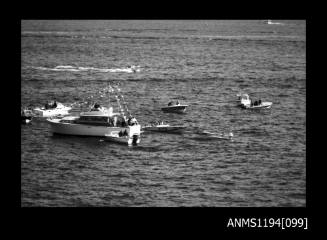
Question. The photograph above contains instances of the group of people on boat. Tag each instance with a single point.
(156, 123)
(26, 112)
(96, 107)
(132, 67)
(123, 133)
(50, 105)
(255, 103)
(171, 103)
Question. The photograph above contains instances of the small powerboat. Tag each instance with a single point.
(130, 136)
(246, 103)
(259, 105)
(174, 108)
(161, 127)
(52, 110)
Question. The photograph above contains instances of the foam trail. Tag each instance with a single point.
(64, 67)
(69, 68)
(277, 23)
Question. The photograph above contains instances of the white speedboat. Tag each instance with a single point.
(130, 136)
(243, 99)
(163, 128)
(262, 105)
(174, 108)
(99, 122)
(247, 103)
(51, 111)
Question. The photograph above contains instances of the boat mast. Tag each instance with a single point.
(123, 100)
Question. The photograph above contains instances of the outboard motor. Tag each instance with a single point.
(135, 138)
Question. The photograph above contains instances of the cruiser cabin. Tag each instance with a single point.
(101, 120)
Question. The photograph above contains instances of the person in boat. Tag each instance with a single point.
(170, 103)
(259, 102)
(47, 105)
(177, 102)
(123, 123)
(50, 105)
(131, 121)
(96, 107)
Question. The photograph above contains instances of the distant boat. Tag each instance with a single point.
(247, 103)
(163, 128)
(174, 108)
(51, 110)
(129, 136)
(271, 22)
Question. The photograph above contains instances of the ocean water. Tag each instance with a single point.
(202, 63)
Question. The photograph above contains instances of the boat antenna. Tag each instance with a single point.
(112, 90)
(123, 100)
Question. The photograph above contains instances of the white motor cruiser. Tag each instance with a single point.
(99, 122)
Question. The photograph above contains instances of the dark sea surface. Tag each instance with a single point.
(201, 63)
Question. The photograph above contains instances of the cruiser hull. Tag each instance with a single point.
(129, 135)
(79, 129)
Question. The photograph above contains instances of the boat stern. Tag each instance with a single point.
(134, 134)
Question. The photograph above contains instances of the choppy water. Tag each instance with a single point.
(203, 64)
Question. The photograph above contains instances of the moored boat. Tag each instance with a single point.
(99, 122)
(259, 105)
(247, 103)
(51, 110)
(174, 108)
(130, 136)
(163, 128)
